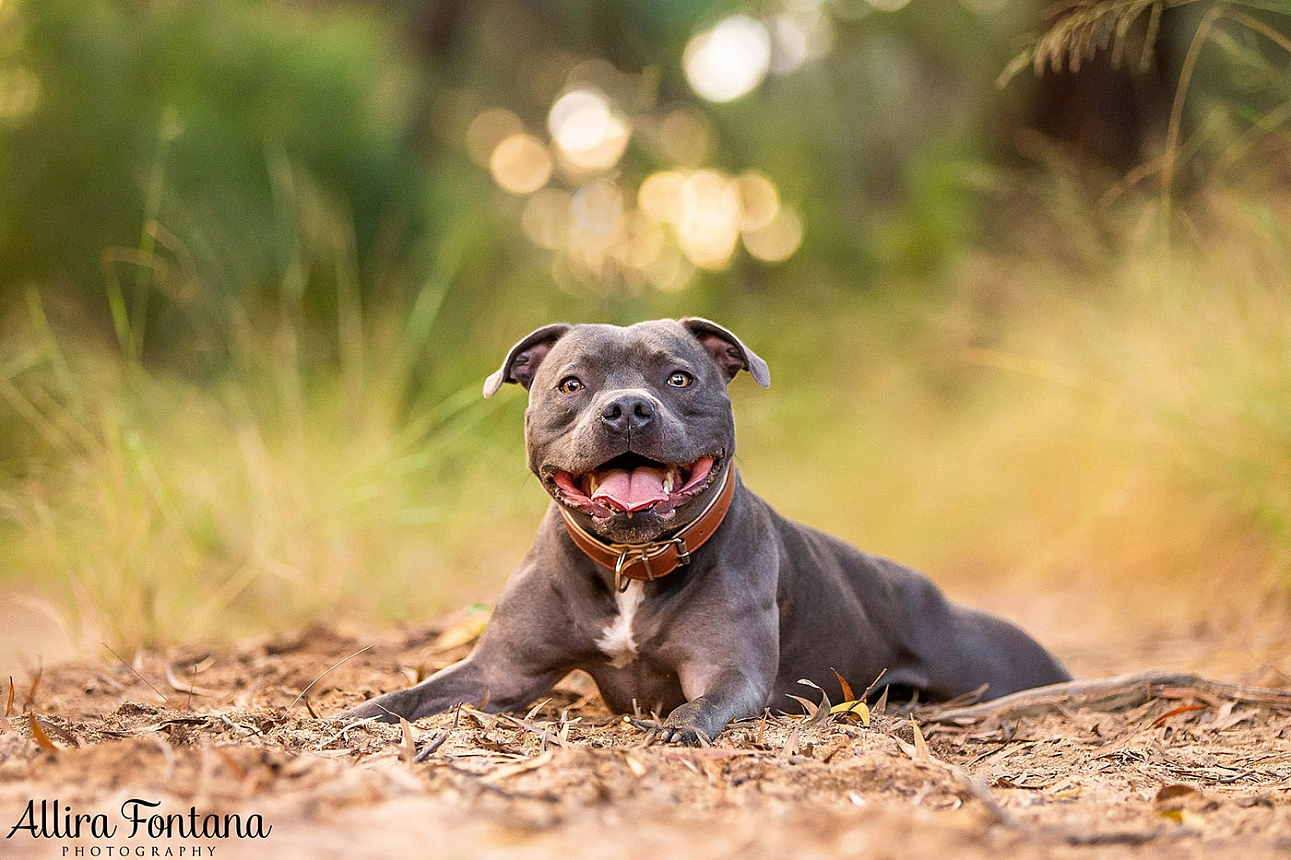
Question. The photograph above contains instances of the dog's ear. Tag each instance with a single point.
(728, 351)
(522, 361)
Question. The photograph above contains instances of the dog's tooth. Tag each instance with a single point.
(593, 481)
(669, 480)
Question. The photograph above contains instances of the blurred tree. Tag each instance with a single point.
(163, 161)
(189, 122)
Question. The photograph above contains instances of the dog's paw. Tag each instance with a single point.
(693, 724)
(671, 732)
(685, 735)
(371, 709)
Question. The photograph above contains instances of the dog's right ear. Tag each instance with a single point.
(522, 361)
(728, 350)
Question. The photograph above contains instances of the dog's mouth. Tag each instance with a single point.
(631, 483)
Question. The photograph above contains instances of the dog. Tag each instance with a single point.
(676, 588)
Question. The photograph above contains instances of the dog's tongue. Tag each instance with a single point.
(631, 491)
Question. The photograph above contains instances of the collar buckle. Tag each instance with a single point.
(627, 556)
(630, 553)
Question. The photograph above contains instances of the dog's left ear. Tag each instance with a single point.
(728, 351)
(522, 361)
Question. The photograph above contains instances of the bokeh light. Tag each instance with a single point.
(778, 239)
(759, 198)
(520, 164)
(709, 212)
(686, 137)
(588, 130)
(487, 130)
(607, 231)
(640, 241)
(596, 211)
(729, 60)
(799, 36)
(545, 219)
(660, 195)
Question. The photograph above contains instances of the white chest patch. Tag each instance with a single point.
(616, 637)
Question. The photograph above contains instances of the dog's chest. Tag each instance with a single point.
(618, 639)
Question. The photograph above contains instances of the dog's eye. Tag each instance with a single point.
(571, 385)
(680, 379)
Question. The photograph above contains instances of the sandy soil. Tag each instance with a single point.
(1160, 771)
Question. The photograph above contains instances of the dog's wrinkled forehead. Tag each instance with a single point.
(608, 348)
(603, 346)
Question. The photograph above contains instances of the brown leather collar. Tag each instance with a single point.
(650, 561)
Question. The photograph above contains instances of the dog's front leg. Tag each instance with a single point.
(485, 679)
(523, 650)
(724, 679)
(733, 694)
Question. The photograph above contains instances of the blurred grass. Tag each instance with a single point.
(311, 479)
(1125, 427)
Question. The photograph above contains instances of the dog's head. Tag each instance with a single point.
(630, 429)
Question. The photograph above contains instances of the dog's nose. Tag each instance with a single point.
(628, 412)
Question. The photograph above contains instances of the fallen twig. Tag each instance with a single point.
(320, 677)
(1102, 694)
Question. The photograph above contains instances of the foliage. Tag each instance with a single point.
(177, 115)
(1244, 101)
(1082, 29)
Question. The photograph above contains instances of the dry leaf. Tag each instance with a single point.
(848, 696)
(808, 706)
(61, 733)
(35, 685)
(38, 734)
(1175, 791)
(1186, 817)
(1182, 709)
(819, 713)
(859, 710)
(881, 705)
(180, 687)
(535, 709)
(906, 748)
(920, 745)
(407, 749)
(822, 711)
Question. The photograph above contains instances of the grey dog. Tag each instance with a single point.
(676, 588)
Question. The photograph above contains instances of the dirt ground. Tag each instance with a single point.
(1174, 768)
